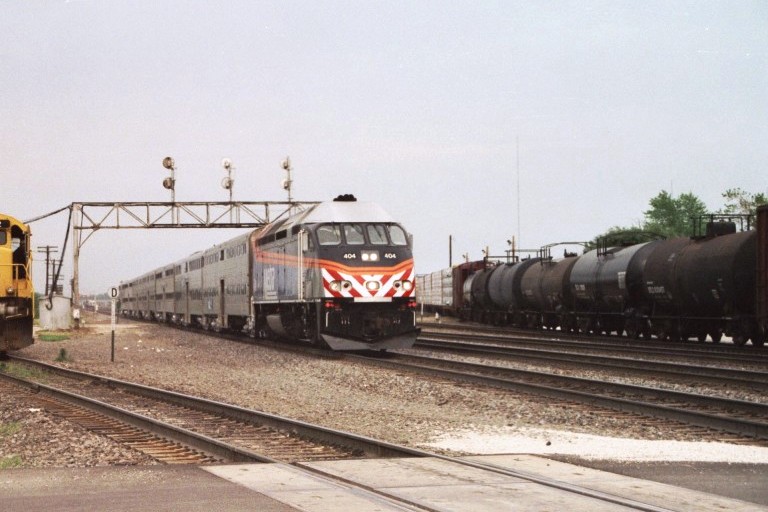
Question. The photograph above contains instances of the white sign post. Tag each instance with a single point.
(114, 293)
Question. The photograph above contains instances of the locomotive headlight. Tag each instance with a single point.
(340, 285)
(9, 291)
(372, 285)
(369, 255)
(405, 285)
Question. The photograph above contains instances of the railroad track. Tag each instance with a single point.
(728, 378)
(610, 345)
(220, 431)
(179, 429)
(708, 416)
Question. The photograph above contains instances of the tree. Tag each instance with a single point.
(741, 202)
(673, 217)
(668, 217)
(619, 235)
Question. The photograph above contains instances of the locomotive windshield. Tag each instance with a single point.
(360, 234)
(354, 234)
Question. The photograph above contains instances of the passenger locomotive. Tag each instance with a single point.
(16, 292)
(704, 286)
(338, 274)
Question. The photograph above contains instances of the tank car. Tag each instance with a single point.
(704, 286)
(605, 289)
(16, 291)
(761, 285)
(506, 295)
(338, 274)
(548, 299)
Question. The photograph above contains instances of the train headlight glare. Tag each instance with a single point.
(335, 286)
(407, 285)
(369, 255)
(372, 285)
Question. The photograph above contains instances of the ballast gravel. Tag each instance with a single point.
(396, 406)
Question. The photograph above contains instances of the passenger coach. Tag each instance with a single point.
(338, 274)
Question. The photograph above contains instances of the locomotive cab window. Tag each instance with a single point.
(3, 238)
(19, 247)
(354, 234)
(398, 235)
(329, 234)
(377, 234)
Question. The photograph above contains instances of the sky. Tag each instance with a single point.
(478, 120)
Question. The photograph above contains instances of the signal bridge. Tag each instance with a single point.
(89, 217)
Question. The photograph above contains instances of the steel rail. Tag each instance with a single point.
(712, 352)
(371, 447)
(178, 434)
(564, 390)
(749, 378)
(227, 451)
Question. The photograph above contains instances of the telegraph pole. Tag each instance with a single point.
(47, 249)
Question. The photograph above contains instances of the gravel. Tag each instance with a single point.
(395, 406)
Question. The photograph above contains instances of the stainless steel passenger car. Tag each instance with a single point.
(338, 274)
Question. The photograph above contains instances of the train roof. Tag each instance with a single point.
(342, 211)
(331, 212)
(14, 221)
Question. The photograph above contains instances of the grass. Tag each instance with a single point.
(14, 461)
(8, 429)
(23, 372)
(52, 336)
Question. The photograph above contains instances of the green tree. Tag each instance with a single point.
(673, 217)
(668, 217)
(741, 202)
(619, 235)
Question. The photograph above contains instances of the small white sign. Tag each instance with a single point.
(114, 292)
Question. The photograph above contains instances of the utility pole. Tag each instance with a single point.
(47, 249)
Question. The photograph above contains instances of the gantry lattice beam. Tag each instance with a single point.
(89, 217)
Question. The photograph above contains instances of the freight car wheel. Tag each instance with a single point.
(583, 324)
(633, 330)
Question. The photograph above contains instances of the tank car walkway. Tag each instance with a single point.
(425, 483)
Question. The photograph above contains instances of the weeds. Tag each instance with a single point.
(63, 357)
(23, 372)
(14, 461)
(8, 429)
(52, 336)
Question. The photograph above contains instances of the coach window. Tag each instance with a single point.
(354, 234)
(329, 234)
(377, 234)
(398, 235)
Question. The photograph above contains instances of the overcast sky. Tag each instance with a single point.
(420, 106)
